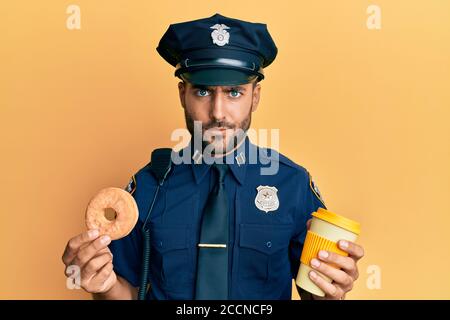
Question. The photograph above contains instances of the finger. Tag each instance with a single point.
(76, 242)
(308, 224)
(87, 253)
(346, 263)
(68, 271)
(355, 251)
(94, 265)
(330, 289)
(102, 251)
(338, 276)
(102, 277)
(104, 273)
(106, 249)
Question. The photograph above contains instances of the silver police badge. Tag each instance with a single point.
(220, 35)
(267, 200)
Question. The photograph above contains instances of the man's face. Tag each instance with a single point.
(222, 110)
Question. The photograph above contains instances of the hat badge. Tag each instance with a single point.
(267, 200)
(220, 35)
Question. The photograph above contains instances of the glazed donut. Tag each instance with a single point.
(124, 206)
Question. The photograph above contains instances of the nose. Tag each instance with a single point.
(218, 106)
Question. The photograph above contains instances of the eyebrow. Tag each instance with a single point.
(212, 88)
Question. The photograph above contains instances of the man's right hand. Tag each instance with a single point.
(91, 254)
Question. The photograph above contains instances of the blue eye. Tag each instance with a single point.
(202, 93)
(235, 93)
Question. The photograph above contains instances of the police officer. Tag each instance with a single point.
(217, 229)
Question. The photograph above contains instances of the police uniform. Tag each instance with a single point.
(267, 214)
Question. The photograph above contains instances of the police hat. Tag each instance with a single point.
(218, 50)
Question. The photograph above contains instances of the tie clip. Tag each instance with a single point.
(211, 245)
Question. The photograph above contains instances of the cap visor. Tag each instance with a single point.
(218, 77)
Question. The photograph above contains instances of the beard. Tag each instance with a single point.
(234, 133)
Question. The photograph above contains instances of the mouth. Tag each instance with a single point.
(221, 129)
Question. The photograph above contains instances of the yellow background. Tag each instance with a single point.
(366, 111)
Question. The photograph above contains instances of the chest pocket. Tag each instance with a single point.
(171, 262)
(264, 266)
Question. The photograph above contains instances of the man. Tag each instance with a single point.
(219, 229)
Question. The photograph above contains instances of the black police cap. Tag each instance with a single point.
(218, 50)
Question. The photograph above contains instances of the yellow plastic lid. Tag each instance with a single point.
(338, 220)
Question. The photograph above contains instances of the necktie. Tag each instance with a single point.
(212, 263)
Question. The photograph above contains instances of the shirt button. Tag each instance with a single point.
(269, 244)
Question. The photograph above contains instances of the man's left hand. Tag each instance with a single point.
(343, 278)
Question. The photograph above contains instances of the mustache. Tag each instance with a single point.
(223, 124)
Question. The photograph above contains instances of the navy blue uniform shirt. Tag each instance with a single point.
(265, 246)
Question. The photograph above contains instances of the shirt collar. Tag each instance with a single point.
(237, 161)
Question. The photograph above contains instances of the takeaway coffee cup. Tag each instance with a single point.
(327, 228)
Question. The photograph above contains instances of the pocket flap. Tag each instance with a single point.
(169, 238)
(267, 239)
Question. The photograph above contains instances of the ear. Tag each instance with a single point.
(255, 97)
(181, 93)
